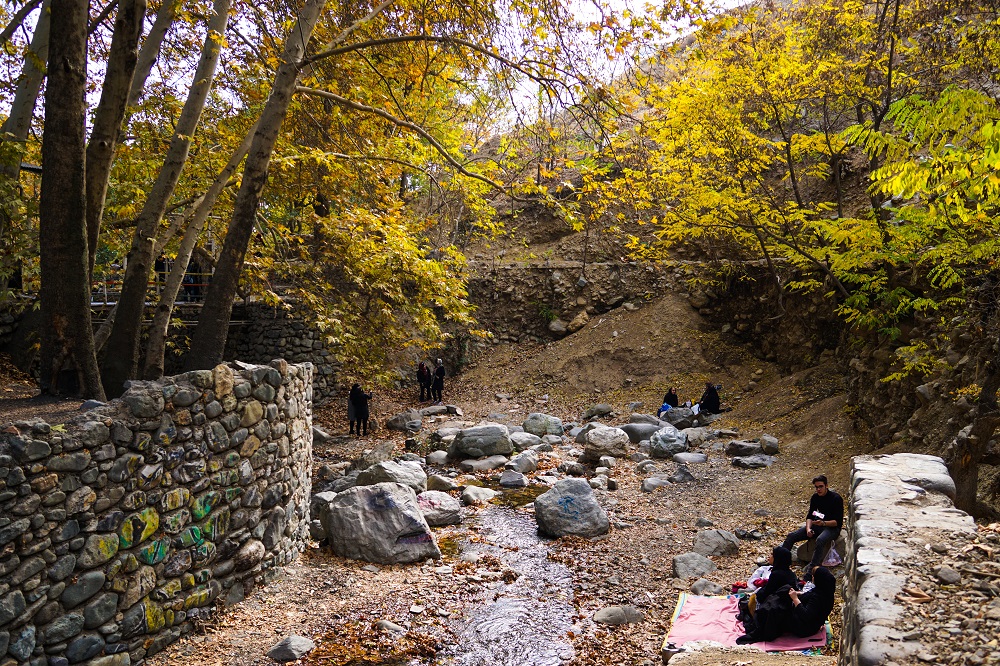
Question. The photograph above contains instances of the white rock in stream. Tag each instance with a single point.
(379, 523)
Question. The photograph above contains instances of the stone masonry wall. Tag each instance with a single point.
(270, 332)
(122, 526)
(900, 515)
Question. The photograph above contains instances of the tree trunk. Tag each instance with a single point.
(968, 448)
(67, 332)
(110, 113)
(22, 108)
(156, 347)
(151, 48)
(209, 340)
(123, 362)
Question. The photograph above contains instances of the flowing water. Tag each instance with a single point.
(523, 622)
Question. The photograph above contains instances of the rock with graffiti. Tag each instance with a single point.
(570, 508)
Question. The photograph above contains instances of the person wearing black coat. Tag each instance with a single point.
(359, 401)
(710, 401)
(670, 398)
(781, 574)
(811, 609)
(438, 386)
(424, 379)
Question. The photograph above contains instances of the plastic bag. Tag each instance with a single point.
(833, 558)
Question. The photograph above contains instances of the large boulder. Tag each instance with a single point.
(524, 462)
(543, 424)
(741, 448)
(602, 409)
(439, 508)
(406, 472)
(486, 440)
(477, 495)
(698, 436)
(666, 442)
(692, 565)
(408, 421)
(646, 418)
(524, 440)
(482, 465)
(716, 542)
(380, 523)
(639, 431)
(758, 461)
(769, 443)
(581, 433)
(680, 417)
(605, 442)
(570, 508)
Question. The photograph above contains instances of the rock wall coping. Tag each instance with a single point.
(122, 526)
(900, 506)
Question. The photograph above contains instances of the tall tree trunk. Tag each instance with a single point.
(67, 332)
(123, 363)
(967, 449)
(110, 114)
(22, 108)
(156, 347)
(151, 47)
(209, 341)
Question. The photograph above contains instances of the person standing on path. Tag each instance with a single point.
(823, 522)
(438, 386)
(359, 401)
(424, 378)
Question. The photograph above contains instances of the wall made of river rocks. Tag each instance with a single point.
(267, 332)
(122, 526)
(902, 525)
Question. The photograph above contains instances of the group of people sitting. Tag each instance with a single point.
(710, 402)
(777, 602)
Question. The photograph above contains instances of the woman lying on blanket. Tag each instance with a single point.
(788, 611)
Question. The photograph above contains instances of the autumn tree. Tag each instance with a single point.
(67, 335)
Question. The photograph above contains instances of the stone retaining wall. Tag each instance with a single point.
(270, 332)
(122, 526)
(901, 505)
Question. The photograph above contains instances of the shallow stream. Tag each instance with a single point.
(519, 623)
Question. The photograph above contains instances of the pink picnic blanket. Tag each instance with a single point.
(714, 619)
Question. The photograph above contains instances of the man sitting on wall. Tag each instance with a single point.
(823, 522)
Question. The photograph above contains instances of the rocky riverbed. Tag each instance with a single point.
(497, 576)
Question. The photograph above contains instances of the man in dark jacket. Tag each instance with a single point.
(823, 521)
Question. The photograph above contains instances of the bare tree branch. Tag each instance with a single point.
(417, 129)
(17, 19)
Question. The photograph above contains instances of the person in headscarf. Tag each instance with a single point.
(670, 398)
(781, 573)
(359, 400)
(438, 386)
(811, 609)
(710, 402)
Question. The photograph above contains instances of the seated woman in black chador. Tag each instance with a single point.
(710, 401)
(781, 573)
(811, 609)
